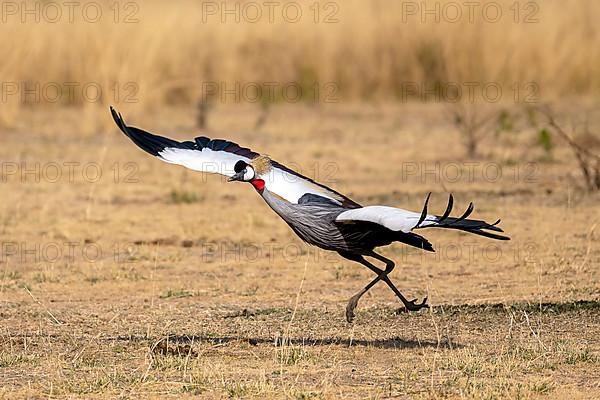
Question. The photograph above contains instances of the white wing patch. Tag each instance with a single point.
(395, 219)
(284, 184)
(205, 160)
(292, 187)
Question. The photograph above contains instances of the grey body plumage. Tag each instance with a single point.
(315, 223)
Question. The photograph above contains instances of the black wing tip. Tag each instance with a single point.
(119, 120)
(148, 142)
(116, 116)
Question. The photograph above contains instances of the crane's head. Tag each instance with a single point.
(244, 172)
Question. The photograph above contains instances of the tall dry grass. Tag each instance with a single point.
(369, 54)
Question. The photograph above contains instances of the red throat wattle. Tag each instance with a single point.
(258, 184)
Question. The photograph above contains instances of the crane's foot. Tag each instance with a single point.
(352, 303)
(413, 306)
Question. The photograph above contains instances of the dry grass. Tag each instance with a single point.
(153, 281)
(165, 313)
(370, 54)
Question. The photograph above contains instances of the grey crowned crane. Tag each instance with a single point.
(319, 215)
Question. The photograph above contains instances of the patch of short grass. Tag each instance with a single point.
(42, 277)
(176, 293)
(291, 354)
(11, 275)
(92, 279)
(184, 197)
(196, 384)
(243, 390)
(8, 360)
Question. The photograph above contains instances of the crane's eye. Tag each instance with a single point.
(240, 166)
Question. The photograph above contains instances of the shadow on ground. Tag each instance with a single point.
(391, 343)
(181, 344)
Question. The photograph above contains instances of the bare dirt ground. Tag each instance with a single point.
(153, 281)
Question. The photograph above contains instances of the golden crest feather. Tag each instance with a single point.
(261, 164)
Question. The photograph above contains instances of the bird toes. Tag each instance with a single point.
(350, 308)
(414, 306)
(350, 316)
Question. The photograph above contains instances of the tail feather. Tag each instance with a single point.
(461, 223)
(412, 239)
(474, 226)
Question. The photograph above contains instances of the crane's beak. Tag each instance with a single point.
(237, 177)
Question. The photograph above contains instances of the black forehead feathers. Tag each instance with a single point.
(240, 166)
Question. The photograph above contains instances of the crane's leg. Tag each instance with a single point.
(410, 305)
(381, 275)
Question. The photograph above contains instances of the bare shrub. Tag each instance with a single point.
(473, 123)
(585, 147)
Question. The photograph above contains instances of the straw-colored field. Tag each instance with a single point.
(124, 277)
(158, 53)
(201, 289)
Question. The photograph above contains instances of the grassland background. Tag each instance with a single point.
(174, 321)
(370, 53)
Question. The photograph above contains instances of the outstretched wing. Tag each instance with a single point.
(397, 219)
(220, 156)
(203, 154)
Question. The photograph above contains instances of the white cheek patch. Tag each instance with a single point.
(249, 174)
